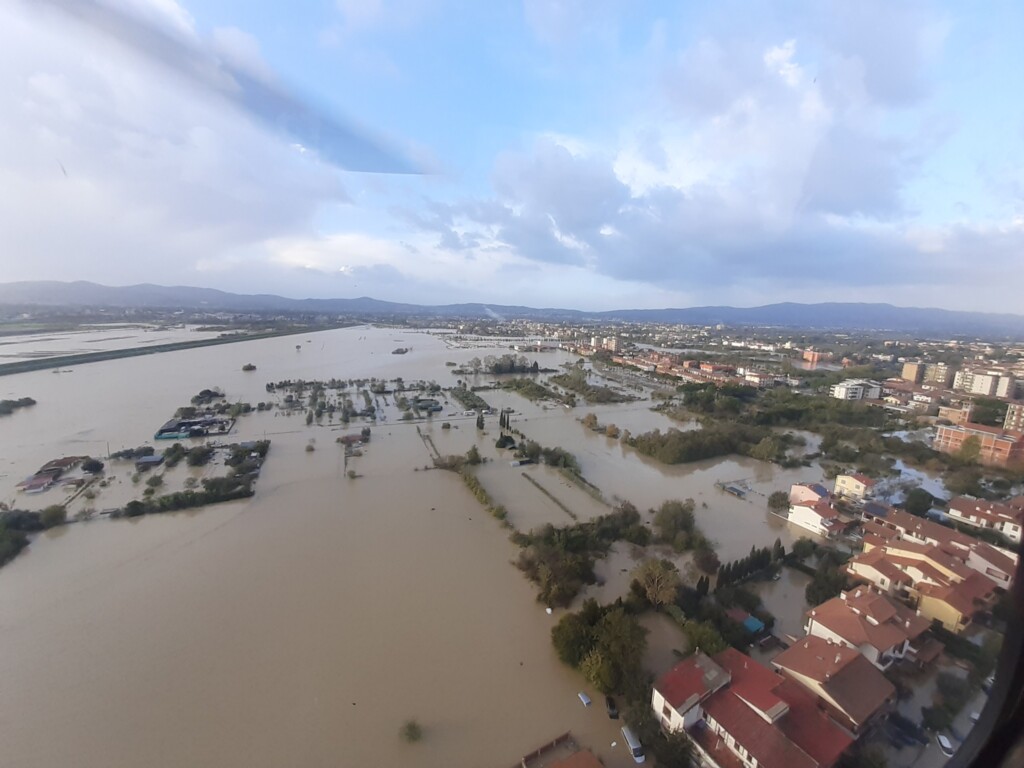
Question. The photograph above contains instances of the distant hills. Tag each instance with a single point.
(827, 316)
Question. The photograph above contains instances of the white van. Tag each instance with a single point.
(633, 744)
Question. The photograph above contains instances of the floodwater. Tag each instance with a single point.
(96, 338)
(304, 626)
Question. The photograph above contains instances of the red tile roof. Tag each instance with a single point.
(810, 728)
(850, 619)
(582, 759)
(964, 595)
(691, 679)
(989, 510)
(766, 743)
(753, 682)
(849, 679)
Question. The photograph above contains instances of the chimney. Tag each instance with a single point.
(837, 658)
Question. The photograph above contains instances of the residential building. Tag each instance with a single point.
(1014, 421)
(882, 630)
(957, 415)
(886, 525)
(739, 712)
(800, 492)
(812, 355)
(939, 585)
(955, 605)
(992, 515)
(856, 486)
(996, 447)
(856, 389)
(939, 374)
(913, 371)
(986, 383)
(818, 517)
(847, 685)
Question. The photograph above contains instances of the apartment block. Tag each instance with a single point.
(1014, 420)
(856, 389)
(913, 372)
(940, 374)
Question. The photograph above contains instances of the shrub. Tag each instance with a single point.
(411, 732)
(53, 516)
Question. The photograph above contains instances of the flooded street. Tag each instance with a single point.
(306, 625)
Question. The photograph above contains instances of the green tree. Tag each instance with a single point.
(573, 638)
(92, 466)
(778, 500)
(705, 637)
(673, 750)
(600, 672)
(473, 456)
(767, 449)
(778, 551)
(706, 559)
(53, 516)
(970, 450)
(803, 548)
(918, 502)
(674, 524)
(659, 580)
(411, 731)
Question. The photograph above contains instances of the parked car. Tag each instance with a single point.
(945, 745)
(611, 707)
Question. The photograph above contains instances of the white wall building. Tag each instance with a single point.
(856, 389)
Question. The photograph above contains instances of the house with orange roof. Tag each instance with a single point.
(848, 686)
(855, 486)
(881, 629)
(739, 712)
(1006, 519)
(820, 517)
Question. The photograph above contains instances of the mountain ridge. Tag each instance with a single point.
(826, 315)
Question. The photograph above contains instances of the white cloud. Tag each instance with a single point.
(779, 59)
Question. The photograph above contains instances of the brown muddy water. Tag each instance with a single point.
(304, 626)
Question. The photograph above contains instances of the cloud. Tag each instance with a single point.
(156, 177)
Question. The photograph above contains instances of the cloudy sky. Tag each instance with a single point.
(581, 153)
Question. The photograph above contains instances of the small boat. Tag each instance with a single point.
(584, 698)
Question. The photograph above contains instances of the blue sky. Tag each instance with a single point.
(584, 154)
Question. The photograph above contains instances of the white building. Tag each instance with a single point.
(856, 389)
(818, 517)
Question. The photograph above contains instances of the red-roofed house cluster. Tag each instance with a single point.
(947, 575)
(739, 712)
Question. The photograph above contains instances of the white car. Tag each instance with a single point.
(945, 745)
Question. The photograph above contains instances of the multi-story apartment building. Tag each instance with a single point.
(996, 447)
(856, 389)
(1014, 420)
(913, 371)
(985, 382)
(939, 374)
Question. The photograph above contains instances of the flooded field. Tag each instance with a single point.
(97, 338)
(304, 626)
